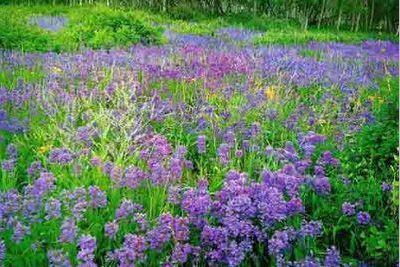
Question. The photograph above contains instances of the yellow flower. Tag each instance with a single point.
(57, 70)
(270, 93)
(44, 149)
(376, 99)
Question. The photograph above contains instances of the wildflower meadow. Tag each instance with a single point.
(137, 136)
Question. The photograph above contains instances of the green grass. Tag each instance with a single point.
(103, 27)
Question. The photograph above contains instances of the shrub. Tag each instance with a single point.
(86, 27)
(104, 29)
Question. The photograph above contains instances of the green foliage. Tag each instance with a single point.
(107, 28)
(14, 34)
(375, 146)
(86, 27)
(297, 36)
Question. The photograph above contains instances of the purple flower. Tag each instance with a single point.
(87, 242)
(255, 129)
(11, 151)
(57, 258)
(386, 187)
(79, 209)
(111, 229)
(8, 165)
(181, 253)
(348, 209)
(201, 144)
(98, 198)
(61, 156)
(133, 177)
(43, 185)
(328, 159)
(332, 258)
(87, 246)
(68, 231)
(239, 153)
(53, 209)
(140, 219)
(223, 153)
(96, 161)
(35, 168)
(159, 236)
(133, 250)
(196, 202)
(86, 135)
(363, 218)
(312, 228)
(229, 138)
(180, 229)
(321, 185)
(280, 241)
(126, 209)
(20, 231)
(2, 251)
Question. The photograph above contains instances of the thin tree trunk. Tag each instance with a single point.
(353, 18)
(321, 14)
(371, 19)
(339, 20)
(358, 21)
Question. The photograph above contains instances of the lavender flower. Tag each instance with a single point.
(201, 144)
(332, 258)
(98, 198)
(312, 228)
(35, 168)
(322, 185)
(132, 251)
(348, 209)
(20, 231)
(2, 251)
(223, 153)
(57, 258)
(87, 247)
(8, 165)
(68, 231)
(386, 187)
(126, 209)
(133, 177)
(363, 218)
(280, 241)
(111, 229)
(53, 209)
(60, 156)
(181, 253)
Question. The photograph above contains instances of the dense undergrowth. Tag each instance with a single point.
(153, 140)
(102, 27)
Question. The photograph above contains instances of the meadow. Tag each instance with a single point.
(133, 138)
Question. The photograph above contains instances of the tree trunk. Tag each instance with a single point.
(321, 14)
(339, 20)
(358, 21)
(353, 19)
(371, 18)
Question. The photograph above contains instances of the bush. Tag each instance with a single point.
(87, 27)
(106, 28)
